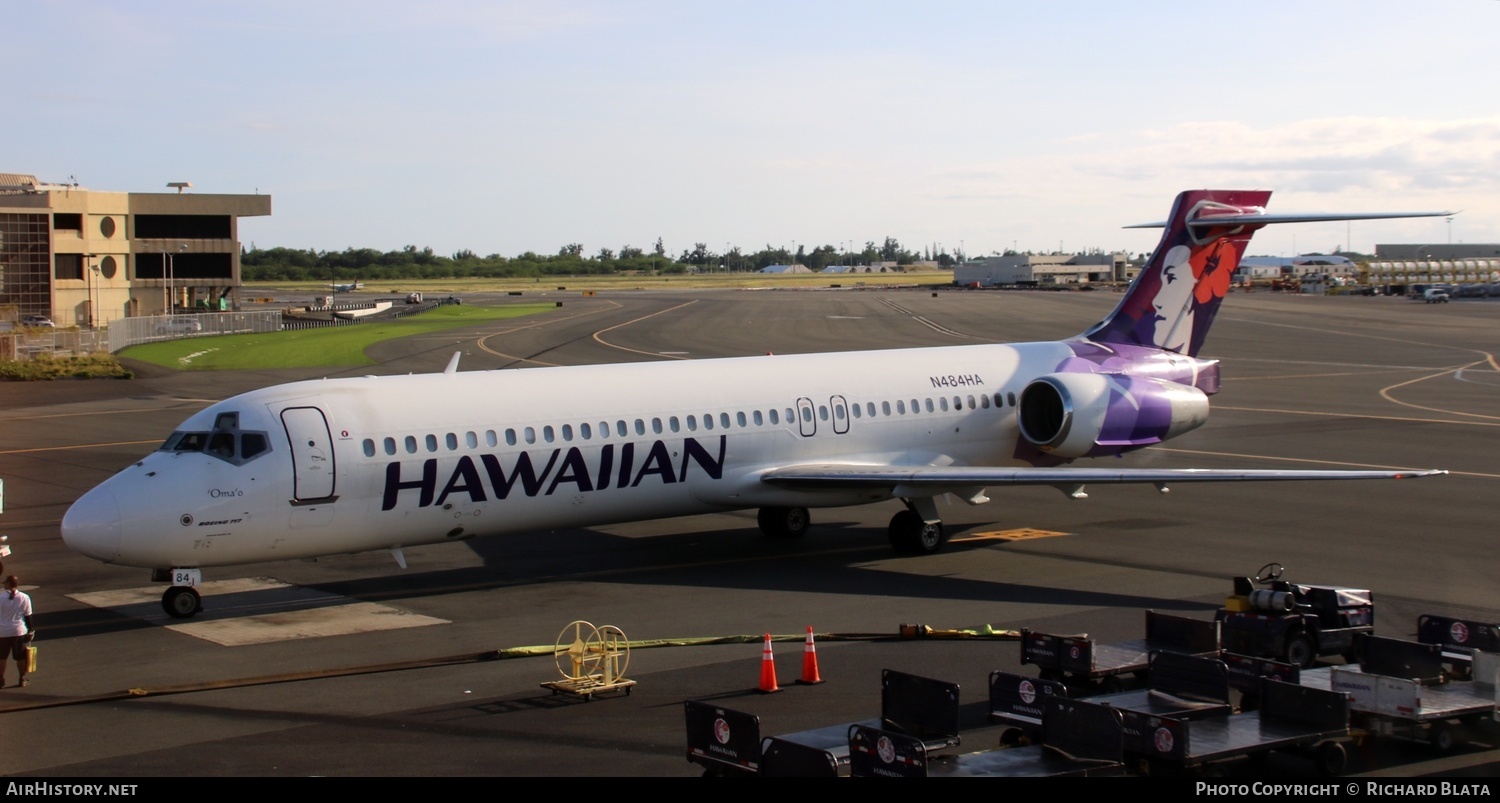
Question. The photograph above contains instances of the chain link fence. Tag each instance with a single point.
(25, 343)
(127, 332)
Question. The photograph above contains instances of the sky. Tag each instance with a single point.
(505, 126)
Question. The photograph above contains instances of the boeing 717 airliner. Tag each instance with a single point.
(349, 465)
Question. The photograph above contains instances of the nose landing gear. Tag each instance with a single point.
(181, 602)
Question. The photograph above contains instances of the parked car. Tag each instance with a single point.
(37, 321)
(1433, 295)
(179, 326)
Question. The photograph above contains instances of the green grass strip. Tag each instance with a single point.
(332, 347)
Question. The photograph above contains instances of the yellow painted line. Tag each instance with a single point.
(79, 446)
(1385, 392)
(1403, 418)
(154, 409)
(482, 347)
(603, 342)
(1018, 534)
(1339, 463)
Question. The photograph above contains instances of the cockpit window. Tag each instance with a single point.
(252, 444)
(226, 442)
(221, 445)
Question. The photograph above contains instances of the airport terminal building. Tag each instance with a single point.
(85, 258)
(1031, 270)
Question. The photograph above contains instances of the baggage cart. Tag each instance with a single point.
(1082, 661)
(1077, 741)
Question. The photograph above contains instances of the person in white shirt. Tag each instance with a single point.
(15, 628)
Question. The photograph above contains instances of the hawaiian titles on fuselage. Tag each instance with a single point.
(542, 476)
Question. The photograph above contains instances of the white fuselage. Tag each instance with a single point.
(351, 465)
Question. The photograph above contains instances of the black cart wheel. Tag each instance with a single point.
(1300, 650)
(1333, 759)
(1443, 737)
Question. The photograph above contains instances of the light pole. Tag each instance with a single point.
(171, 299)
(88, 265)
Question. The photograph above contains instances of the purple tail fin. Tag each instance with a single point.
(1171, 304)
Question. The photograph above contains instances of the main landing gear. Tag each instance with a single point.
(181, 602)
(784, 522)
(917, 530)
(912, 534)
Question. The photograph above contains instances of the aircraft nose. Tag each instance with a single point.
(92, 525)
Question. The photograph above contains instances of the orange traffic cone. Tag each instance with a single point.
(767, 669)
(809, 662)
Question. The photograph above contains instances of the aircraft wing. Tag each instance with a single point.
(964, 480)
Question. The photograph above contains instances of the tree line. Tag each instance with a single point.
(410, 262)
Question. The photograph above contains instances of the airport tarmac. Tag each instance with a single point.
(350, 666)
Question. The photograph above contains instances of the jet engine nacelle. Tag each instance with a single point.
(1087, 415)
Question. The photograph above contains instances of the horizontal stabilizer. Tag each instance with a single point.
(1262, 219)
